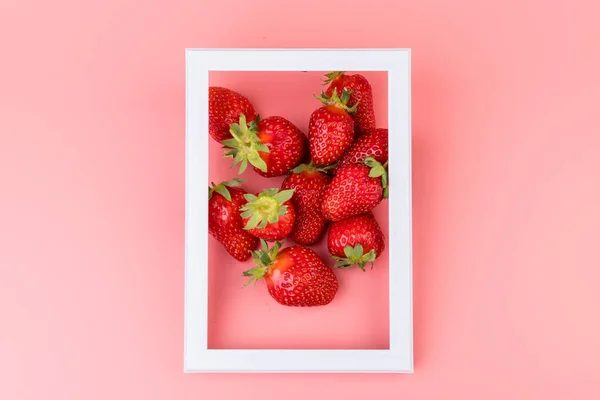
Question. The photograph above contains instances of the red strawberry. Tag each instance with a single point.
(331, 129)
(270, 214)
(225, 221)
(361, 93)
(273, 145)
(355, 189)
(356, 241)
(296, 276)
(372, 144)
(309, 184)
(224, 108)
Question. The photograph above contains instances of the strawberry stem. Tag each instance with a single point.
(245, 145)
(355, 257)
(266, 208)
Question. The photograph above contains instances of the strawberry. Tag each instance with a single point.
(295, 276)
(355, 189)
(331, 128)
(372, 144)
(273, 145)
(224, 108)
(356, 241)
(309, 184)
(225, 221)
(269, 215)
(361, 93)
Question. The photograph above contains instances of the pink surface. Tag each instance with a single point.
(506, 217)
(358, 317)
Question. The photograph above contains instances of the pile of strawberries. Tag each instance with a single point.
(333, 179)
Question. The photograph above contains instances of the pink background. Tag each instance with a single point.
(506, 216)
(358, 317)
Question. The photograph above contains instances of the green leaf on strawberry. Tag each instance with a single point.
(221, 188)
(336, 100)
(266, 208)
(355, 257)
(310, 167)
(332, 76)
(263, 258)
(245, 145)
(378, 170)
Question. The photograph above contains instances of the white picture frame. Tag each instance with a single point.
(197, 356)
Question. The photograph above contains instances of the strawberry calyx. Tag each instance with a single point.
(221, 188)
(378, 170)
(332, 76)
(265, 208)
(263, 259)
(338, 101)
(245, 145)
(310, 167)
(355, 257)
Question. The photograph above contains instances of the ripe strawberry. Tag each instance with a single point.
(225, 221)
(356, 241)
(361, 93)
(273, 145)
(224, 108)
(270, 214)
(296, 276)
(309, 184)
(372, 144)
(355, 189)
(330, 129)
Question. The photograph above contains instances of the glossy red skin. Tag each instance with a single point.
(330, 133)
(299, 278)
(351, 192)
(361, 229)
(307, 199)
(224, 109)
(372, 144)
(280, 229)
(287, 146)
(225, 224)
(364, 116)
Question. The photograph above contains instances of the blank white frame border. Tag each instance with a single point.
(197, 356)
